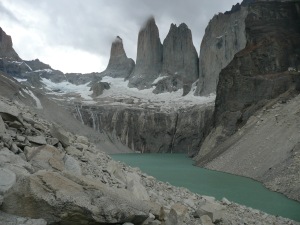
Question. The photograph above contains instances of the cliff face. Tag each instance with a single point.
(149, 57)
(6, 47)
(148, 130)
(119, 65)
(263, 70)
(180, 61)
(224, 37)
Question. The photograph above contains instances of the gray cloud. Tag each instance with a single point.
(7, 13)
(91, 25)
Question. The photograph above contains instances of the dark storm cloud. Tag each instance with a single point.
(91, 25)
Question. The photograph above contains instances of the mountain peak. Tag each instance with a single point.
(6, 46)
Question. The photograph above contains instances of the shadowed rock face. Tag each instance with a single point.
(149, 57)
(6, 49)
(147, 130)
(260, 71)
(180, 60)
(119, 65)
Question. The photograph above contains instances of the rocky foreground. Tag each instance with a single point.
(51, 176)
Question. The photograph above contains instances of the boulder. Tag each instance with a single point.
(7, 180)
(52, 141)
(14, 163)
(134, 185)
(10, 112)
(2, 126)
(74, 200)
(66, 138)
(99, 87)
(82, 140)
(73, 151)
(8, 219)
(212, 209)
(172, 218)
(206, 220)
(149, 57)
(46, 157)
(72, 165)
(41, 140)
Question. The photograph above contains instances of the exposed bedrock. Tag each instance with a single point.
(149, 57)
(180, 61)
(224, 37)
(264, 70)
(148, 130)
(6, 47)
(119, 64)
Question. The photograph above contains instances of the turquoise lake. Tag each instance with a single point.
(177, 169)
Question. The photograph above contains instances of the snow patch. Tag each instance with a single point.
(66, 87)
(20, 92)
(28, 66)
(20, 79)
(158, 79)
(170, 100)
(44, 70)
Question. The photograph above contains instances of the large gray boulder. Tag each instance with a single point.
(119, 64)
(180, 60)
(2, 126)
(7, 180)
(149, 57)
(99, 87)
(73, 199)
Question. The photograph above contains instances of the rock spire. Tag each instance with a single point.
(149, 56)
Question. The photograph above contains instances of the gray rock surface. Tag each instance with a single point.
(99, 87)
(8, 219)
(2, 126)
(6, 47)
(7, 180)
(119, 65)
(149, 57)
(180, 60)
(224, 36)
(150, 130)
(257, 77)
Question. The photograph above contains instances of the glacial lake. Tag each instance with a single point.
(177, 169)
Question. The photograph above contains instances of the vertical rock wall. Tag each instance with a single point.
(224, 37)
(180, 61)
(148, 130)
(119, 64)
(149, 57)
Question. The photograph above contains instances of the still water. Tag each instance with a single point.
(177, 169)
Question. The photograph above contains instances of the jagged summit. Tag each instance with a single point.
(6, 47)
(149, 56)
(119, 64)
(180, 60)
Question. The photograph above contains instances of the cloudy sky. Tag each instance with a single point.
(76, 35)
